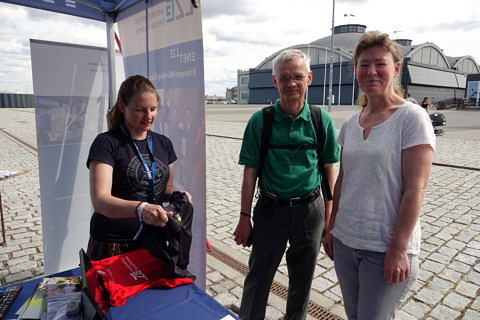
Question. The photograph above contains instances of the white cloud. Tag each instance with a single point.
(240, 34)
(19, 24)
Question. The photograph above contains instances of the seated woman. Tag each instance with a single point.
(131, 172)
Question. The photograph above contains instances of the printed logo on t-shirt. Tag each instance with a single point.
(138, 179)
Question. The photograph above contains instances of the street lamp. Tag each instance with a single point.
(347, 15)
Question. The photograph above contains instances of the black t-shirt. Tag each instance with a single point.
(129, 179)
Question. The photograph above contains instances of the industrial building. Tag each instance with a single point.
(426, 71)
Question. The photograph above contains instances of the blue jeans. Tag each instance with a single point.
(366, 295)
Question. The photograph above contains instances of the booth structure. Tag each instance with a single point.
(159, 39)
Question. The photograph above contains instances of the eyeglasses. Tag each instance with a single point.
(286, 79)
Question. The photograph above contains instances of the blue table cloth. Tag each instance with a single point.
(180, 303)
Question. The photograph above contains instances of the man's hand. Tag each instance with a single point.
(243, 231)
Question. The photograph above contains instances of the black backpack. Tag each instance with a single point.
(316, 113)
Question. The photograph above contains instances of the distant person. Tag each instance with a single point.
(387, 149)
(131, 172)
(426, 103)
(290, 208)
(409, 98)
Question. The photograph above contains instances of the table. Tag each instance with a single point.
(180, 303)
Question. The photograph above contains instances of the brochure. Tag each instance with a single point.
(51, 297)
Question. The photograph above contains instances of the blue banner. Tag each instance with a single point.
(70, 7)
(90, 9)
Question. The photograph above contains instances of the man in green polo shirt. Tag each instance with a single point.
(290, 208)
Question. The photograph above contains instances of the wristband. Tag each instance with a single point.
(245, 214)
(140, 207)
(136, 208)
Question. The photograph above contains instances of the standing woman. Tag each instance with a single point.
(131, 172)
(387, 149)
(425, 103)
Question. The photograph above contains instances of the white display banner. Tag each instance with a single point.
(473, 93)
(70, 84)
(175, 60)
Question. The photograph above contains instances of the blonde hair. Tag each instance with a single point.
(129, 88)
(377, 39)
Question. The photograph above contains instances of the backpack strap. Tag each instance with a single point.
(316, 114)
(267, 113)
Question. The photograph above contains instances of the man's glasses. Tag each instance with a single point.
(286, 79)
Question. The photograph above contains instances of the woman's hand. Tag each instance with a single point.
(189, 197)
(328, 244)
(396, 266)
(155, 215)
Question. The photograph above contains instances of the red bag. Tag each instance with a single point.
(113, 280)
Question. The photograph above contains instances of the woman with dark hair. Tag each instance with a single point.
(131, 172)
(387, 149)
(425, 103)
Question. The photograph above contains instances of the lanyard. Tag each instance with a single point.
(151, 172)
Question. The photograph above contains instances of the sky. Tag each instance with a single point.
(241, 34)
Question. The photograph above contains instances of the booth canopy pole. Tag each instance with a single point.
(112, 83)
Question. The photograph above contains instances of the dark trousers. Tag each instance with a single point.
(302, 228)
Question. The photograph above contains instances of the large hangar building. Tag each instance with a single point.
(426, 72)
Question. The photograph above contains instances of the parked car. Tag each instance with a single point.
(448, 103)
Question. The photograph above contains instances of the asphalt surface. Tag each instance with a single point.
(448, 286)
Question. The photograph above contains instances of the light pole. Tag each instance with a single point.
(308, 54)
(353, 86)
(331, 60)
(324, 75)
(340, 78)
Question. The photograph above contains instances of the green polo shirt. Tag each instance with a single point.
(289, 173)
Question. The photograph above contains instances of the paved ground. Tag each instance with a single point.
(449, 283)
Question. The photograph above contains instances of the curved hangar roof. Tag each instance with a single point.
(347, 36)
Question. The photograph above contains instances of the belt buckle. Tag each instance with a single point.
(291, 202)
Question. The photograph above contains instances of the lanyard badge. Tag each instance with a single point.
(150, 172)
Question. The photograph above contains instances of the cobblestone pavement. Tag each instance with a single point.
(448, 286)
